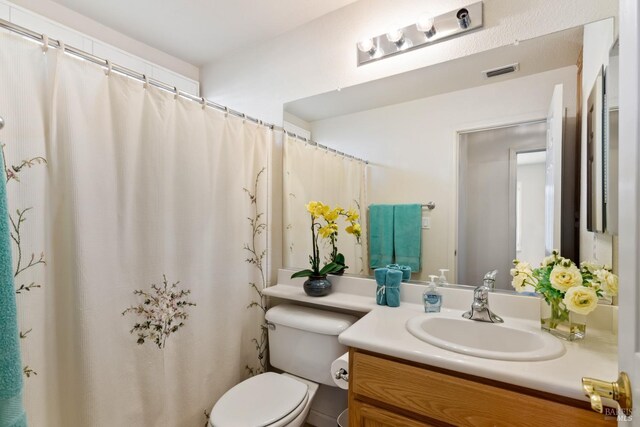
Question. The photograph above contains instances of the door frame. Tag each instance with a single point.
(629, 198)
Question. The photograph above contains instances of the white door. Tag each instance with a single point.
(553, 179)
(629, 199)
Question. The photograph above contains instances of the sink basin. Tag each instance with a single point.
(486, 340)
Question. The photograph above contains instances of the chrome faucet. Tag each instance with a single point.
(480, 307)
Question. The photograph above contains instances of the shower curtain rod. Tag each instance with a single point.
(324, 147)
(57, 44)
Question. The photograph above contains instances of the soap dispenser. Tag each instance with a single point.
(431, 297)
(442, 280)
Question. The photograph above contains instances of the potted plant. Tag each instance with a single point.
(317, 283)
(568, 293)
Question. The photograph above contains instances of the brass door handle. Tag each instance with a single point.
(619, 390)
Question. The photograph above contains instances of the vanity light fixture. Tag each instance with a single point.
(426, 25)
(464, 20)
(396, 37)
(366, 45)
(426, 30)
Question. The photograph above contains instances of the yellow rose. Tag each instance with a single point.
(581, 299)
(564, 276)
(608, 282)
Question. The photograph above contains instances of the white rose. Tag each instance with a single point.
(581, 299)
(551, 258)
(591, 266)
(608, 282)
(522, 276)
(565, 276)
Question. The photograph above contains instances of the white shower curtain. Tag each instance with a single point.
(118, 192)
(312, 173)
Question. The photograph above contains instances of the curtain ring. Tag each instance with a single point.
(226, 112)
(176, 92)
(45, 43)
(146, 81)
(203, 102)
(61, 46)
(109, 67)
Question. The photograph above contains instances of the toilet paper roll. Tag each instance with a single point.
(340, 371)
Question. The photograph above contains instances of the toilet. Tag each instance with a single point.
(303, 342)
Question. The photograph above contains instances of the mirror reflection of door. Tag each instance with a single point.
(530, 206)
(487, 200)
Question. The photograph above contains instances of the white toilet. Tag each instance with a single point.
(302, 342)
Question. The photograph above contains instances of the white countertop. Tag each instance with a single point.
(383, 331)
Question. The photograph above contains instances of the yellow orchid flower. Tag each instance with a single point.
(311, 207)
(331, 216)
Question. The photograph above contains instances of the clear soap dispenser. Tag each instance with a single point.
(442, 280)
(431, 297)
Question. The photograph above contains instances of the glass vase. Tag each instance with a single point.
(556, 319)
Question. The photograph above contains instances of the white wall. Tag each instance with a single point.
(411, 146)
(321, 55)
(532, 180)
(598, 39)
(59, 22)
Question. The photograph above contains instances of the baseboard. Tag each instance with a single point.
(318, 419)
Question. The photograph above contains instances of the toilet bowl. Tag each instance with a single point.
(266, 400)
(303, 342)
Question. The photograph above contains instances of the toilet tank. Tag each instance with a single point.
(303, 341)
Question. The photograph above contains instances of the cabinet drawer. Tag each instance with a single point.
(456, 400)
(369, 416)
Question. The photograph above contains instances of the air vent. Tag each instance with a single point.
(494, 72)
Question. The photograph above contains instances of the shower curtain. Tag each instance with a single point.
(312, 173)
(140, 235)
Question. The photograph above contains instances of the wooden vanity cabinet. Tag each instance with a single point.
(389, 392)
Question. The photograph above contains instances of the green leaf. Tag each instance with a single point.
(339, 259)
(332, 267)
(302, 273)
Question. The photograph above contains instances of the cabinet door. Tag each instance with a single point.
(363, 415)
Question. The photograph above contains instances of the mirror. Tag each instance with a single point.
(421, 132)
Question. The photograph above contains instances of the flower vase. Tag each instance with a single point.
(317, 286)
(559, 321)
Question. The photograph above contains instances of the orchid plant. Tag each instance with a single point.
(324, 224)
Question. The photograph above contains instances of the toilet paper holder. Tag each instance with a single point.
(342, 374)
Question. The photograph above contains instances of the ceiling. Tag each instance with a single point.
(201, 31)
(534, 56)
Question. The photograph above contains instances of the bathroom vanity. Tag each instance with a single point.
(397, 378)
(386, 391)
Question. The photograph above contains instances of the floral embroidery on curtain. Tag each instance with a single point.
(256, 258)
(21, 264)
(163, 311)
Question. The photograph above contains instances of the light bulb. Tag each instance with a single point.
(395, 36)
(425, 25)
(366, 45)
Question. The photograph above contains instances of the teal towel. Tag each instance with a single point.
(381, 290)
(406, 271)
(407, 235)
(11, 411)
(394, 279)
(380, 235)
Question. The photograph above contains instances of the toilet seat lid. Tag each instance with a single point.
(259, 401)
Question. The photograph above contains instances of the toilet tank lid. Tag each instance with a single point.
(310, 319)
